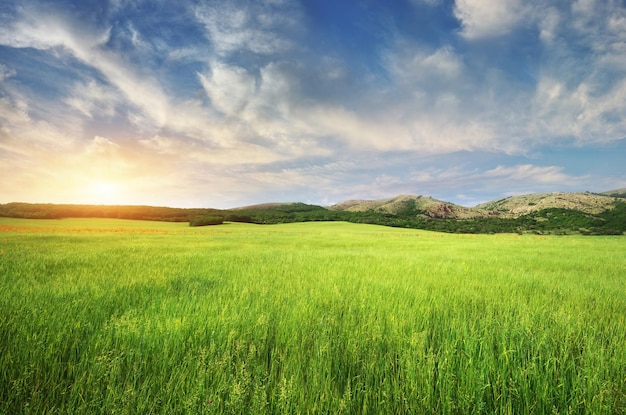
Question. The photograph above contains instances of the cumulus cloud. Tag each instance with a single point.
(578, 111)
(230, 88)
(576, 99)
(484, 18)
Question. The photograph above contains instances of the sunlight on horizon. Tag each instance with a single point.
(104, 192)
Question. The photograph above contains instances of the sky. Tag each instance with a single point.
(200, 103)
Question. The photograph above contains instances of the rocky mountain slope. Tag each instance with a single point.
(516, 206)
(509, 207)
(407, 204)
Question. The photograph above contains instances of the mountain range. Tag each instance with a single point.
(556, 212)
(509, 207)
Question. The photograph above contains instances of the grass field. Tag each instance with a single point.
(126, 317)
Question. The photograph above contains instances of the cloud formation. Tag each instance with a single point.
(252, 101)
(484, 18)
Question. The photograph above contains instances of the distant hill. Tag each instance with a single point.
(262, 206)
(59, 211)
(509, 207)
(557, 212)
(407, 205)
(621, 193)
(281, 206)
(515, 206)
(392, 205)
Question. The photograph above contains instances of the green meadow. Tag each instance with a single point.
(127, 317)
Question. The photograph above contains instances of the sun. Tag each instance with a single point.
(103, 191)
(103, 188)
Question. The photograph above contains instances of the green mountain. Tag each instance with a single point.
(556, 212)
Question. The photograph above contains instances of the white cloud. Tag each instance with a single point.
(549, 24)
(102, 146)
(14, 111)
(617, 22)
(579, 112)
(52, 31)
(231, 28)
(189, 153)
(429, 71)
(580, 96)
(486, 18)
(584, 9)
(415, 68)
(230, 88)
(92, 98)
(441, 104)
(437, 104)
(528, 173)
(270, 108)
(153, 108)
(20, 133)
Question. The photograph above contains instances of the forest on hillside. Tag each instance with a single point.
(546, 221)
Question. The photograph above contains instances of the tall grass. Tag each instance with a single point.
(128, 317)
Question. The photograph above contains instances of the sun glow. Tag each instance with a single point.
(103, 192)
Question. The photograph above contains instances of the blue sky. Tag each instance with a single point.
(228, 103)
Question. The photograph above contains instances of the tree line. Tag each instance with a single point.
(552, 221)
